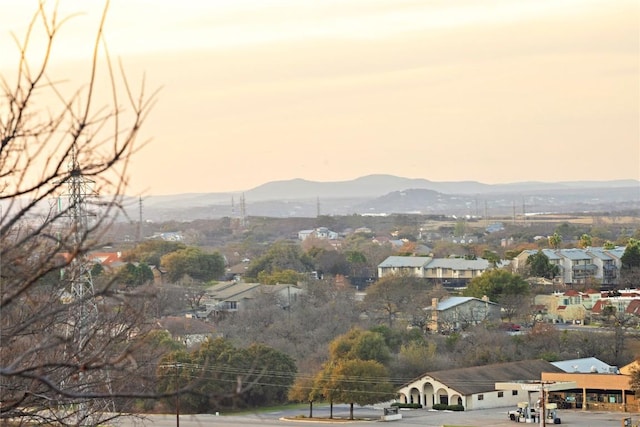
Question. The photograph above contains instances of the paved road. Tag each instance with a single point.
(423, 418)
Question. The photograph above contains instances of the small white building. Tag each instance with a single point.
(474, 387)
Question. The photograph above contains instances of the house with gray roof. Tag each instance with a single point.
(458, 313)
(233, 296)
(449, 272)
(412, 265)
(455, 272)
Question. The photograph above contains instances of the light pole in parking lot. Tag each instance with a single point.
(176, 387)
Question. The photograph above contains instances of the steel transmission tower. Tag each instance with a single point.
(78, 189)
(83, 315)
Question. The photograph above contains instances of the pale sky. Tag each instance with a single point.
(253, 91)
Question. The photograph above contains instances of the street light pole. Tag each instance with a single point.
(177, 366)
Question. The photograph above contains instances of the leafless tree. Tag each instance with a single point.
(67, 348)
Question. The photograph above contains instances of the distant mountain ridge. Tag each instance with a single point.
(378, 185)
(392, 194)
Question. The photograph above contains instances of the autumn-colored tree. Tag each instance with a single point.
(364, 382)
(585, 241)
(303, 390)
(151, 251)
(634, 381)
(355, 365)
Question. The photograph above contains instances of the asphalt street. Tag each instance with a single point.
(368, 416)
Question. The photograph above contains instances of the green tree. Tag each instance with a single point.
(496, 284)
(358, 265)
(631, 256)
(492, 257)
(193, 262)
(221, 375)
(460, 228)
(134, 275)
(269, 375)
(630, 271)
(281, 255)
(97, 270)
(585, 241)
(539, 266)
(555, 240)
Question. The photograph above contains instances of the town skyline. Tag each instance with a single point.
(254, 92)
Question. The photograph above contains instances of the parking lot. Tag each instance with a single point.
(369, 417)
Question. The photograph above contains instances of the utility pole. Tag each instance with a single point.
(139, 236)
(243, 211)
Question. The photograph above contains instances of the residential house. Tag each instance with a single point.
(458, 313)
(187, 330)
(449, 272)
(169, 236)
(411, 265)
(455, 272)
(229, 297)
(322, 233)
(579, 306)
(474, 387)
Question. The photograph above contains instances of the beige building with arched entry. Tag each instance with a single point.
(474, 387)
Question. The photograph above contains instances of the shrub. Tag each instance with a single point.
(407, 405)
(445, 407)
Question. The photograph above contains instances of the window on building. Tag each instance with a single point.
(501, 394)
(481, 397)
(514, 392)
